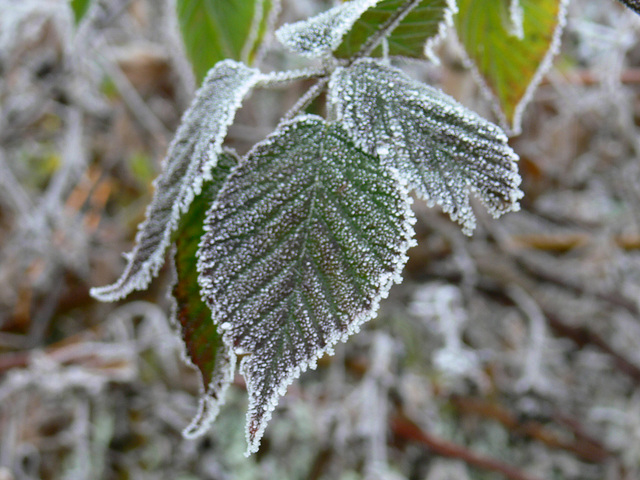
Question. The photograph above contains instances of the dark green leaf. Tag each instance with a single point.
(203, 343)
(307, 235)
(414, 35)
(511, 44)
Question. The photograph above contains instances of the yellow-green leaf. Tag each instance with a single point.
(509, 66)
(213, 30)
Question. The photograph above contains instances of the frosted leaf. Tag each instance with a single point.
(202, 340)
(305, 238)
(323, 33)
(415, 35)
(190, 158)
(443, 149)
(509, 63)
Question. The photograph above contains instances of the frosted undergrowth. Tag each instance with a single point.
(443, 149)
(192, 154)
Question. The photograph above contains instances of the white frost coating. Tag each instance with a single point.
(305, 238)
(515, 128)
(516, 19)
(433, 42)
(189, 161)
(442, 149)
(322, 34)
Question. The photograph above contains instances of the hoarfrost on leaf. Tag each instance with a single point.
(191, 156)
(305, 238)
(322, 34)
(443, 149)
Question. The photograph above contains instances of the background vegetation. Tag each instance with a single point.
(511, 354)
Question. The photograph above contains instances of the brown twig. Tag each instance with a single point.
(584, 448)
(405, 428)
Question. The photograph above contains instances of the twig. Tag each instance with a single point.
(584, 448)
(306, 99)
(405, 428)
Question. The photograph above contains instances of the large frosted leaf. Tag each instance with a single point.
(510, 44)
(322, 34)
(307, 235)
(414, 36)
(213, 30)
(443, 149)
(191, 156)
(204, 347)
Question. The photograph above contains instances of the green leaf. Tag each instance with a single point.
(305, 238)
(442, 149)
(192, 155)
(509, 68)
(203, 344)
(414, 36)
(213, 30)
(79, 8)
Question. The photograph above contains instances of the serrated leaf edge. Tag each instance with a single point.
(387, 281)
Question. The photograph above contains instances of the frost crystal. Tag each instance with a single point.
(191, 156)
(322, 34)
(443, 149)
(305, 238)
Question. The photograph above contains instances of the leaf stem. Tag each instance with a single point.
(392, 22)
(305, 100)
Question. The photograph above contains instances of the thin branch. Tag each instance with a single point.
(306, 99)
(405, 428)
(587, 449)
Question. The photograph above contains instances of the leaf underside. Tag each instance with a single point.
(322, 34)
(443, 149)
(507, 67)
(203, 344)
(190, 158)
(213, 30)
(307, 235)
(413, 35)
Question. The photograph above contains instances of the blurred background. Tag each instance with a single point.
(513, 354)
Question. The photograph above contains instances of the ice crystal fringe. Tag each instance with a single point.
(305, 238)
(443, 149)
(435, 41)
(190, 158)
(322, 34)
